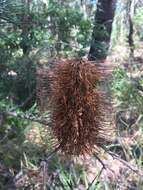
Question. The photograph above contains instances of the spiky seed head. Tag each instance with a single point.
(78, 107)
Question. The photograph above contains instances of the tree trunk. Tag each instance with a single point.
(26, 27)
(131, 10)
(102, 29)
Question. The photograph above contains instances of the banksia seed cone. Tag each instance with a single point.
(78, 107)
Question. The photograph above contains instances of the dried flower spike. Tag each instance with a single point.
(78, 107)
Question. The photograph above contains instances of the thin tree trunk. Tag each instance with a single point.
(131, 27)
(26, 26)
(102, 29)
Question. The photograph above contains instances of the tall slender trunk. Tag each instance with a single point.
(131, 10)
(26, 27)
(102, 29)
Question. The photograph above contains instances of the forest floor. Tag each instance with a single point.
(128, 145)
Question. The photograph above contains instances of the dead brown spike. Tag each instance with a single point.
(77, 107)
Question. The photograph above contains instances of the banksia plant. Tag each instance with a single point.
(78, 107)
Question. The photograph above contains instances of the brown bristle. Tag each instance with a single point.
(78, 107)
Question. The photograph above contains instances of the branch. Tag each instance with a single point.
(51, 154)
(9, 20)
(26, 101)
(96, 177)
(24, 117)
(127, 164)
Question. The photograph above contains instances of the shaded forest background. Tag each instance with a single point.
(32, 34)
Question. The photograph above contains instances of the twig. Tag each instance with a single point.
(97, 176)
(138, 120)
(102, 163)
(51, 154)
(24, 117)
(44, 168)
(127, 164)
(25, 102)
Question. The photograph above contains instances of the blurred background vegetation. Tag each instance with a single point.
(33, 30)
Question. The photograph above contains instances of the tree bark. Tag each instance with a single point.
(131, 10)
(102, 29)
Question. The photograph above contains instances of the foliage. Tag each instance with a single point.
(30, 27)
(68, 29)
(129, 102)
(126, 90)
(138, 19)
